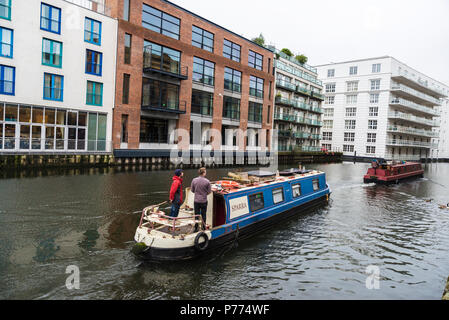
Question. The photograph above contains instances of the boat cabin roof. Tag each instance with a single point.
(239, 187)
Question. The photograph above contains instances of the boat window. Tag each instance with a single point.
(278, 195)
(256, 202)
(296, 190)
(316, 185)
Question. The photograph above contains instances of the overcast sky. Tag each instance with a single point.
(416, 32)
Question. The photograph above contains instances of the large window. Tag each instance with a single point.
(353, 71)
(50, 18)
(256, 202)
(53, 87)
(349, 137)
(94, 95)
(375, 84)
(6, 42)
(203, 71)
(92, 31)
(330, 87)
(43, 128)
(350, 124)
(372, 124)
(231, 108)
(5, 9)
(161, 58)
(351, 112)
(160, 22)
(51, 53)
(231, 50)
(153, 130)
(352, 86)
(128, 42)
(160, 95)
(94, 62)
(255, 60)
(232, 80)
(373, 112)
(376, 68)
(202, 39)
(255, 112)
(202, 103)
(7, 80)
(125, 91)
(351, 99)
(256, 87)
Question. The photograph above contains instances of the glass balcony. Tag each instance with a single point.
(416, 81)
(286, 85)
(413, 131)
(412, 118)
(297, 72)
(411, 105)
(293, 60)
(410, 143)
(302, 135)
(413, 94)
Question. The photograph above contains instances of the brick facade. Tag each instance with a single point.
(135, 69)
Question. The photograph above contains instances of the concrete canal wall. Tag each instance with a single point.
(155, 162)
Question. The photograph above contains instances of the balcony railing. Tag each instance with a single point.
(292, 59)
(415, 93)
(405, 103)
(155, 65)
(296, 72)
(410, 143)
(418, 81)
(286, 85)
(298, 104)
(297, 119)
(411, 118)
(413, 131)
(169, 106)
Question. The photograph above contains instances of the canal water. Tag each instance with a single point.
(51, 222)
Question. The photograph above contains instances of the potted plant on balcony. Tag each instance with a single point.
(302, 59)
(287, 52)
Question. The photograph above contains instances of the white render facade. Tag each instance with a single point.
(58, 81)
(298, 105)
(381, 108)
(442, 153)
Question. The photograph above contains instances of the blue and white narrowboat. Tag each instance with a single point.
(237, 210)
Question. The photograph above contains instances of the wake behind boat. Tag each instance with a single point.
(239, 207)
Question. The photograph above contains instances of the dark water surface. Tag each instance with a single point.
(49, 223)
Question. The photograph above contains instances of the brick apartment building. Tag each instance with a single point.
(176, 69)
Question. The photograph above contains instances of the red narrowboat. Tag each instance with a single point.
(385, 173)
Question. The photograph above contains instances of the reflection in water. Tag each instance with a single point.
(90, 240)
(88, 218)
(46, 251)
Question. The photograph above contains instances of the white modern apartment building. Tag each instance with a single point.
(380, 108)
(57, 76)
(442, 153)
(298, 105)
